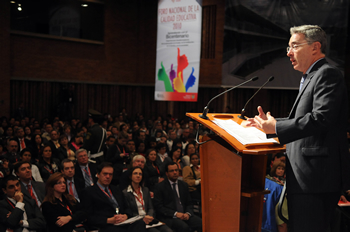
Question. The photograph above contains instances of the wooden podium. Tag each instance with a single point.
(233, 179)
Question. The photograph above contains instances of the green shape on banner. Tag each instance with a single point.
(163, 76)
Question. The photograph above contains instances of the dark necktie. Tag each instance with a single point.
(179, 207)
(113, 201)
(302, 81)
(87, 178)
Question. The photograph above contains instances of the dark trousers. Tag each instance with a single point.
(311, 212)
(194, 223)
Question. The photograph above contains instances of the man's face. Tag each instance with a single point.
(142, 136)
(54, 135)
(185, 133)
(68, 170)
(12, 146)
(110, 141)
(173, 172)
(105, 176)
(122, 141)
(20, 133)
(82, 158)
(12, 187)
(131, 146)
(302, 56)
(48, 128)
(114, 131)
(173, 135)
(139, 163)
(24, 172)
(108, 133)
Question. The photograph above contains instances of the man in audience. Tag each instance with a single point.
(170, 141)
(115, 132)
(23, 142)
(131, 148)
(47, 134)
(54, 143)
(75, 186)
(26, 155)
(173, 203)
(19, 212)
(12, 154)
(30, 188)
(85, 170)
(105, 204)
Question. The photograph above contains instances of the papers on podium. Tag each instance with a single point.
(245, 135)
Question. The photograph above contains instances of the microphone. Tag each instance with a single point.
(206, 109)
(243, 110)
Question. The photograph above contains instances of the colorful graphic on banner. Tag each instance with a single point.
(178, 50)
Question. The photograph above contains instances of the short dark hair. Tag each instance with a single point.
(169, 164)
(19, 164)
(160, 146)
(103, 165)
(24, 150)
(7, 179)
(66, 161)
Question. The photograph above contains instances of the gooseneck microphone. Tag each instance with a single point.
(242, 116)
(206, 109)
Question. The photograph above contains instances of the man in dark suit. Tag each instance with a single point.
(317, 167)
(12, 154)
(19, 212)
(54, 143)
(173, 203)
(75, 186)
(22, 142)
(30, 188)
(84, 170)
(105, 206)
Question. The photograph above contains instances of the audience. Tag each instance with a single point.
(192, 176)
(47, 164)
(85, 170)
(75, 186)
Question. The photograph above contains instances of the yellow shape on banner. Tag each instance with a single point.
(178, 85)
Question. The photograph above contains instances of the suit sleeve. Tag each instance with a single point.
(14, 218)
(326, 98)
(37, 220)
(159, 201)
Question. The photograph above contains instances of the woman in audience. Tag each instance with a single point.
(61, 210)
(47, 164)
(141, 148)
(139, 202)
(192, 176)
(27, 133)
(176, 155)
(77, 141)
(152, 169)
(8, 133)
(189, 149)
(66, 150)
(37, 147)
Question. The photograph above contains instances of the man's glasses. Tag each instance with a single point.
(295, 46)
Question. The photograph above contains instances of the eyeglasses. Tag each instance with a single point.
(295, 46)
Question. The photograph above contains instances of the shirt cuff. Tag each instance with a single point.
(20, 205)
(189, 214)
(196, 182)
(25, 224)
(175, 214)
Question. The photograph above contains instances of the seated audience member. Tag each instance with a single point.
(155, 174)
(67, 131)
(66, 150)
(12, 154)
(117, 153)
(279, 157)
(109, 142)
(173, 203)
(4, 169)
(137, 161)
(21, 140)
(27, 133)
(30, 188)
(75, 186)
(18, 212)
(54, 143)
(278, 172)
(192, 176)
(131, 149)
(141, 148)
(175, 156)
(162, 155)
(138, 200)
(105, 204)
(77, 141)
(47, 164)
(25, 155)
(189, 149)
(152, 143)
(171, 139)
(61, 210)
(85, 170)
(36, 148)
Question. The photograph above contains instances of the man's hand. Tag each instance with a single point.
(147, 219)
(18, 196)
(263, 121)
(180, 215)
(343, 198)
(186, 216)
(120, 218)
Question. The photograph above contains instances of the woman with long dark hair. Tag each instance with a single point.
(61, 210)
(47, 164)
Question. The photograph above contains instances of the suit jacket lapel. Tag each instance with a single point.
(306, 83)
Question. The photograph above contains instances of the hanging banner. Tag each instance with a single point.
(178, 50)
